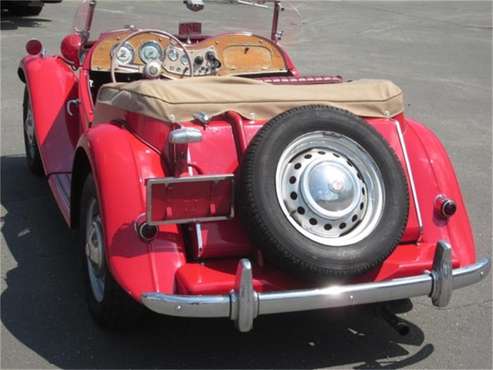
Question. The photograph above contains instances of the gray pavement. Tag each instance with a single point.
(438, 52)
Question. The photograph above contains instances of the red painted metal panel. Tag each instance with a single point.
(120, 165)
(435, 175)
(60, 187)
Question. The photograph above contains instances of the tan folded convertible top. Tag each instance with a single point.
(179, 100)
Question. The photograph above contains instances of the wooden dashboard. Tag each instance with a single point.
(238, 54)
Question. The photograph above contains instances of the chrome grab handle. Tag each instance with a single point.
(69, 105)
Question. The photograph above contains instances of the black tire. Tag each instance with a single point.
(270, 229)
(116, 310)
(33, 157)
(24, 10)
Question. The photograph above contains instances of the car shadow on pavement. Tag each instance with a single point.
(8, 23)
(43, 307)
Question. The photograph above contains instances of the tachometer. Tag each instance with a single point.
(125, 54)
(150, 51)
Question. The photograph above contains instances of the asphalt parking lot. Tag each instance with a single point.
(440, 55)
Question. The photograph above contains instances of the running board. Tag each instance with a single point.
(60, 185)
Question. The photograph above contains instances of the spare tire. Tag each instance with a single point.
(322, 193)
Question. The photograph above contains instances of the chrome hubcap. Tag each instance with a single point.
(330, 188)
(94, 249)
(29, 129)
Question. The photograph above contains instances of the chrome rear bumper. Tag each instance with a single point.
(244, 304)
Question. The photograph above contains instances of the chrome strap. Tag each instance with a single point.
(411, 176)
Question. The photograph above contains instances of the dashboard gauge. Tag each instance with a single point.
(150, 51)
(184, 60)
(173, 54)
(125, 54)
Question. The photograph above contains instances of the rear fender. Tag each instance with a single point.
(51, 83)
(434, 175)
(120, 165)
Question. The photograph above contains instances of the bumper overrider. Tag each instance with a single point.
(244, 304)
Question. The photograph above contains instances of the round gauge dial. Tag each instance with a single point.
(125, 54)
(150, 51)
(173, 54)
(184, 60)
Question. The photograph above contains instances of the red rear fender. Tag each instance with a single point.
(120, 164)
(434, 175)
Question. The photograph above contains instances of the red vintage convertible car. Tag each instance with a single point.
(208, 178)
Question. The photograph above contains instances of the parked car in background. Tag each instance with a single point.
(25, 8)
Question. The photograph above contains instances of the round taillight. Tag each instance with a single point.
(449, 208)
(34, 47)
(445, 207)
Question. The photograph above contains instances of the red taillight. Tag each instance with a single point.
(190, 199)
(34, 47)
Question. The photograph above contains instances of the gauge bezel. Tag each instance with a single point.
(151, 43)
(129, 47)
(171, 49)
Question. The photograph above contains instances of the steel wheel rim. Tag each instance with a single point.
(29, 131)
(330, 188)
(94, 250)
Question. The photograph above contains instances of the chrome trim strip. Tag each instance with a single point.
(198, 227)
(243, 304)
(200, 242)
(178, 180)
(411, 176)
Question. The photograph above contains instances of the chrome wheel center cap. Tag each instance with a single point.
(330, 189)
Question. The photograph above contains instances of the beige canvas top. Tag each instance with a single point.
(179, 100)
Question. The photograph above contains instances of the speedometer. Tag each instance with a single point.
(150, 51)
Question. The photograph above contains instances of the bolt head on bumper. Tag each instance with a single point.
(244, 304)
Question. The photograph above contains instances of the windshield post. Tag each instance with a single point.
(275, 21)
(90, 16)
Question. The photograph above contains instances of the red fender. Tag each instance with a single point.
(435, 175)
(120, 165)
(51, 84)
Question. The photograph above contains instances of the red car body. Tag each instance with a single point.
(122, 159)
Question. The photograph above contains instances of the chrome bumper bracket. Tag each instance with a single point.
(244, 304)
(244, 301)
(442, 279)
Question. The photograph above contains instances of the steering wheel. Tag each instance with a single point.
(152, 69)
